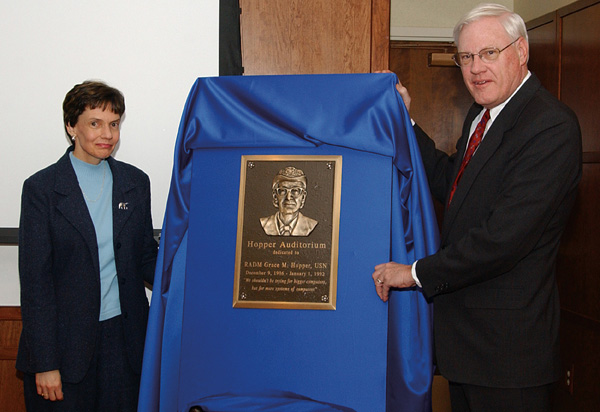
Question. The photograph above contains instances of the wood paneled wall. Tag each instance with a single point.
(11, 385)
(580, 69)
(440, 100)
(314, 36)
(565, 53)
(565, 50)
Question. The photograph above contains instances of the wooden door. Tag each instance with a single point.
(314, 36)
(440, 100)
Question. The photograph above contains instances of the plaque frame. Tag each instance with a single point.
(324, 174)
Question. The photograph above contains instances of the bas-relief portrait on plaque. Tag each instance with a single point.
(287, 235)
(289, 196)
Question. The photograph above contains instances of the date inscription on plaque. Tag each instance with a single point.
(287, 237)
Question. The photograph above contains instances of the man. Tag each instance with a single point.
(289, 195)
(492, 282)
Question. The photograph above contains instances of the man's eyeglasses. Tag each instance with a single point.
(294, 191)
(486, 55)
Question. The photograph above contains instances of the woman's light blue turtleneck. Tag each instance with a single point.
(96, 184)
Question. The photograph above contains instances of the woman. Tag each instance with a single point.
(85, 249)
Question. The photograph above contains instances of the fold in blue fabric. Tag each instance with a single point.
(268, 400)
(362, 112)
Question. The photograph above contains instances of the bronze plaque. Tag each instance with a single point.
(287, 236)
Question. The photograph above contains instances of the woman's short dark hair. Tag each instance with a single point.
(91, 95)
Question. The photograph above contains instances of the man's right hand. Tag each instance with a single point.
(401, 89)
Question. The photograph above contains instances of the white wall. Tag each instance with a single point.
(151, 50)
(431, 20)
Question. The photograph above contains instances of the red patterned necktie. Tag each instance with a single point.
(473, 144)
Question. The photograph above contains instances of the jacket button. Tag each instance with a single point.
(118, 245)
(124, 315)
(122, 280)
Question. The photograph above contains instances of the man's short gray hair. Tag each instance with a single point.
(512, 22)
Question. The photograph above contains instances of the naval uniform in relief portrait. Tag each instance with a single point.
(289, 195)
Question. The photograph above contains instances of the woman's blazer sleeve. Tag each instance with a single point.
(38, 302)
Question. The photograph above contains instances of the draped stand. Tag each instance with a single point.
(365, 354)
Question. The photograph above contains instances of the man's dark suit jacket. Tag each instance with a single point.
(59, 269)
(496, 308)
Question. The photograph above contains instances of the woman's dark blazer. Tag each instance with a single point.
(496, 308)
(59, 269)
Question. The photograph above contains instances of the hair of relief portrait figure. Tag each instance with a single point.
(289, 195)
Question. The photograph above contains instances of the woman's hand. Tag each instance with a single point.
(49, 385)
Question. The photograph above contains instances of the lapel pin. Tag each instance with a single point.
(123, 205)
